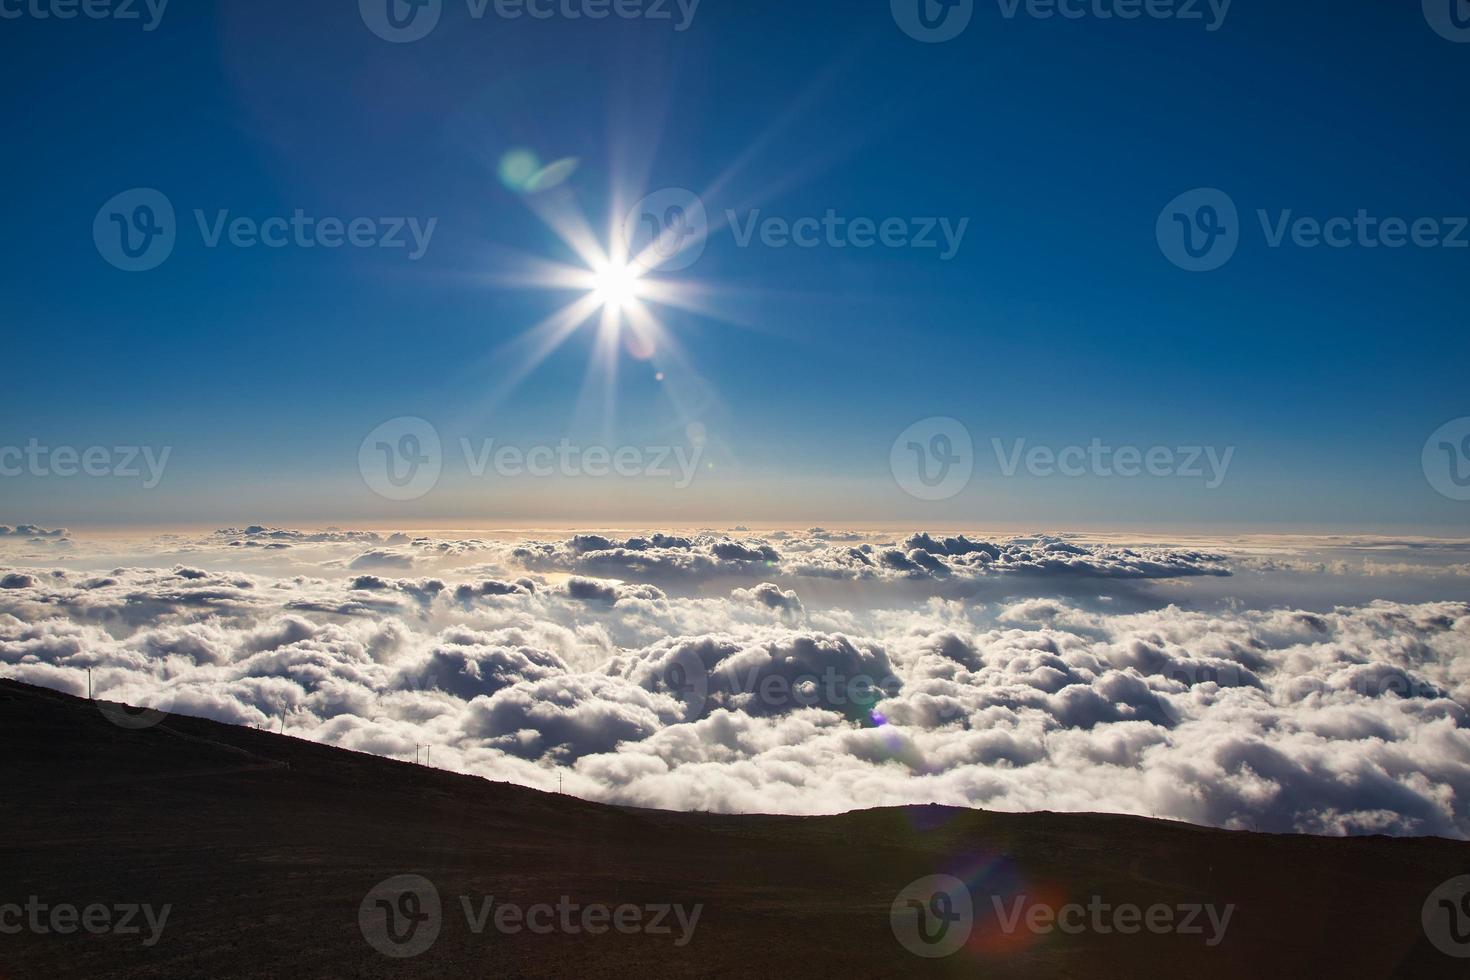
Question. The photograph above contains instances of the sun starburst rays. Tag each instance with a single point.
(614, 293)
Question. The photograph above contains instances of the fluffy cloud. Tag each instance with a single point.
(772, 597)
(823, 554)
(600, 659)
(30, 531)
(257, 534)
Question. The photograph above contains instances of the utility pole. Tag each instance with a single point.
(89, 683)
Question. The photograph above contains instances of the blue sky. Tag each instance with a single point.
(1059, 320)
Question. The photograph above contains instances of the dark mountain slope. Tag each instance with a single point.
(265, 847)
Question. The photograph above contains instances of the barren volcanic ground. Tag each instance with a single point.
(266, 848)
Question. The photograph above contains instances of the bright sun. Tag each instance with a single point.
(615, 285)
(619, 291)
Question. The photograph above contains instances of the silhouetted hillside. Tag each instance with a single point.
(267, 850)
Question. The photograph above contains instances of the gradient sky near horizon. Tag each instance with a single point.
(1058, 321)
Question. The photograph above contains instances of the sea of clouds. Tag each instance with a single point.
(801, 671)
